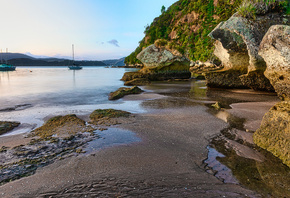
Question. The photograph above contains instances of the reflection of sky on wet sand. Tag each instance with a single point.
(111, 137)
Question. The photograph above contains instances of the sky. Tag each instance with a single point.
(99, 29)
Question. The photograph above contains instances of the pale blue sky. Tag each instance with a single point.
(99, 29)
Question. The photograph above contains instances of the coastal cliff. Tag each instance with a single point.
(186, 24)
(250, 48)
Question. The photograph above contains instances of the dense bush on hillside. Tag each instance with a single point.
(186, 25)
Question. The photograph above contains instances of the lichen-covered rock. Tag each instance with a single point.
(274, 132)
(121, 92)
(237, 44)
(7, 126)
(275, 49)
(158, 57)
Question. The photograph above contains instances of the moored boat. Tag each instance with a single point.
(7, 67)
(74, 66)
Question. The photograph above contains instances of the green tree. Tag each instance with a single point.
(163, 9)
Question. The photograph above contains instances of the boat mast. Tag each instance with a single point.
(6, 55)
(73, 54)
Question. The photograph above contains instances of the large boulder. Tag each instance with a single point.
(274, 132)
(275, 49)
(157, 58)
(237, 45)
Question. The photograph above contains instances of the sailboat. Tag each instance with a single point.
(74, 66)
(6, 66)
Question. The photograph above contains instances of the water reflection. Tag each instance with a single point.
(196, 91)
(111, 137)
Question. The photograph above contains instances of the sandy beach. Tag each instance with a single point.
(167, 162)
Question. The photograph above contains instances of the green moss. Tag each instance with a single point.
(67, 125)
(108, 113)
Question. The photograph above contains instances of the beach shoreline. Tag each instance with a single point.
(167, 162)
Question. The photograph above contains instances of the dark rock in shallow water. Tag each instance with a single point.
(7, 126)
(121, 92)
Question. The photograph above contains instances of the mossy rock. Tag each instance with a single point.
(62, 126)
(108, 113)
(274, 132)
(121, 92)
(7, 126)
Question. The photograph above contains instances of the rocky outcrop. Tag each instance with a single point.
(274, 132)
(275, 49)
(7, 126)
(158, 58)
(237, 45)
(160, 63)
(121, 92)
(224, 79)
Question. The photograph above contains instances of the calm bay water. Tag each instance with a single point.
(30, 94)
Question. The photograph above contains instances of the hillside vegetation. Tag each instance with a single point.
(186, 24)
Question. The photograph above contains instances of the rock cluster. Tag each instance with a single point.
(256, 54)
(237, 46)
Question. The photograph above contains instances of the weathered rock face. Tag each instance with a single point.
(123, 91)
(237, 44)
(157, 58)
(274, 132)
(224, 79)
(275, 49)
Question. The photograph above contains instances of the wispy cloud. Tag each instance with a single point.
(114, 42)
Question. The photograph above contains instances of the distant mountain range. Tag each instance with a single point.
(18, 59)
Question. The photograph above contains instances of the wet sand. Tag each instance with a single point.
(168, 162)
